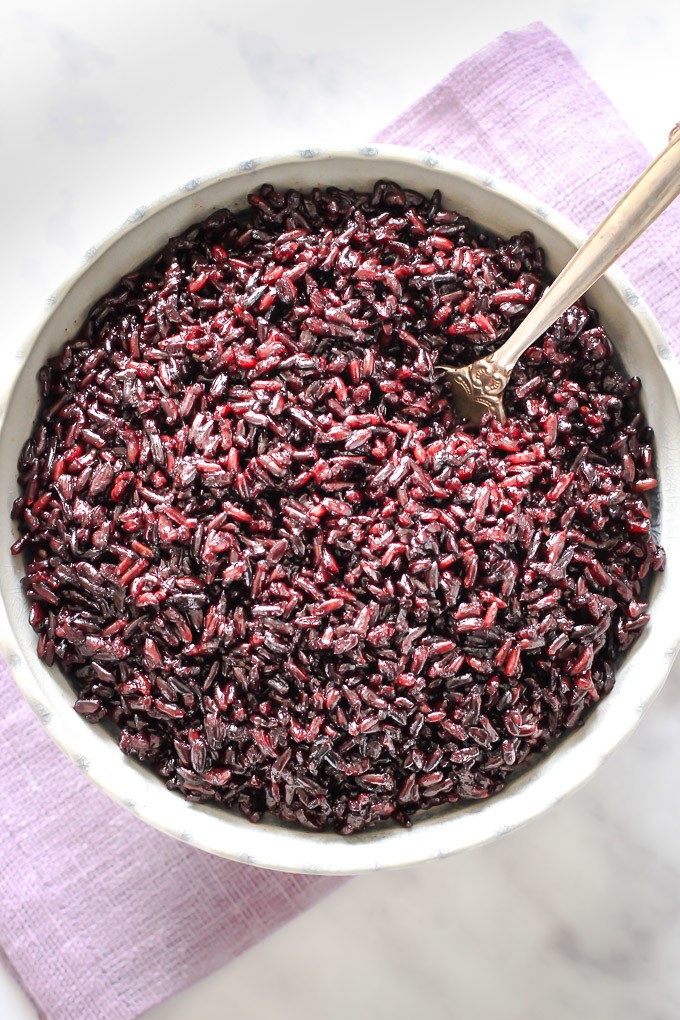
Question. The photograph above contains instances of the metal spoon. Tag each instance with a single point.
(478, 388)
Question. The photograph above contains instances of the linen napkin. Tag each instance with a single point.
(102, 917)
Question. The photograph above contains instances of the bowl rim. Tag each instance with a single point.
(334, 854)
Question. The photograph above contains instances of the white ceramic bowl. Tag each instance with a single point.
(271, 844)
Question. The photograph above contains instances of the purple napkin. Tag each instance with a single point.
(102, 917)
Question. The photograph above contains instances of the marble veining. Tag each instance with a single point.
(576, 915)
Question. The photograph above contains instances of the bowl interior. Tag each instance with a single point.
(504, 210)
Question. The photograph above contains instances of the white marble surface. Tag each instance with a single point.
(577, 915)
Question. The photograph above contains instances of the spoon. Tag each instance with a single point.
(478, 388)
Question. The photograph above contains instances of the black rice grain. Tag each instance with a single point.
(263, 547)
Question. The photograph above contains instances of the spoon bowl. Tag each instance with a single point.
(478, 388)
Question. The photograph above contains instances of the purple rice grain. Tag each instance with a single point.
(264, 548)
